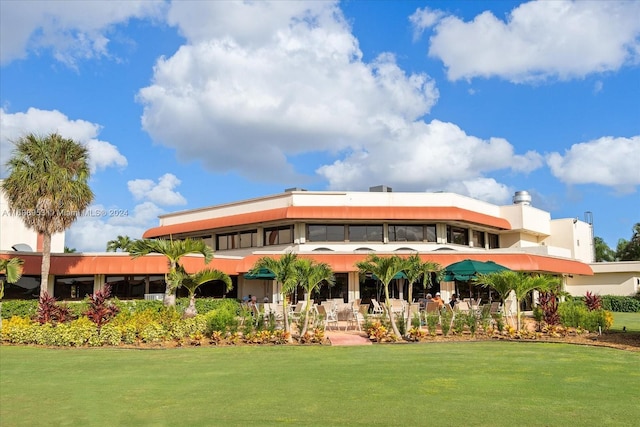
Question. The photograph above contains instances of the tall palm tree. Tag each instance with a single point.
(285, 275)
(173, 250)
(193, 281)
(415, 269)
(11, 269)
(311, 275)
(48, 187)
(385, 268)
(121, 242)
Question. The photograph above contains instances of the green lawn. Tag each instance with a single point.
(473, 383)
(630, 320)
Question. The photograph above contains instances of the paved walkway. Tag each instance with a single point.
(347, 338)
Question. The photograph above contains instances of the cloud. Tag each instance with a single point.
(607, 161)
(428, 156)
(422, 19)
(71, 30)
(102, 154)
(540, 40)
(92, 231)
(286, 78)
(161, 193)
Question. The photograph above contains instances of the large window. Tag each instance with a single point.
(278, 235)
(76, 287)
(457, 235)
(365, 233)
(325, 233)
(242, 239)
(127, 286)
(477, 237)
(28, 287)
(412, 233)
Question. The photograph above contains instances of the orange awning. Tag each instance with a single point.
(333, 213)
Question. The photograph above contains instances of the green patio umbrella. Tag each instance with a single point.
(262, 273)
(468, 269)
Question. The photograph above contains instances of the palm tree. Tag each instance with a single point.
(193, 281)
(385, 268)
(311, 275)
(415, 269)
(285, 275)
(11, 269)
(520, 283)
(630, 250)
(48, 187)
(121, 242)
(173, 250)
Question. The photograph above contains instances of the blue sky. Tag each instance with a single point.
(190, 104)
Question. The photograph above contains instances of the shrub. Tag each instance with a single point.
(445, 322)
(593, 301)
(21, 308)
(153, 332)
(49, 311)
(572, 313)
(549, 306)
(459, 322)
(620, 304)
(432, 323)
(19, 330)
(100, 311)
(223, 318)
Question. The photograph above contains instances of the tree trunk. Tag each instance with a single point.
(306, 316)
(46, 263)
(409, 302)
(191, 309)
(169, 297)
(392, 319)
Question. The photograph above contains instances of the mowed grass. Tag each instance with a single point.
(471, 384)
(629, 320)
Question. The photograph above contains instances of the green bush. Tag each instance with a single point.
(573, 313)
(621, 304)
(153, 332)
(20, 308)
(221, 319)
(19, 330)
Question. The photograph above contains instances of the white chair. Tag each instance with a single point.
(355, 319)
(377, 308)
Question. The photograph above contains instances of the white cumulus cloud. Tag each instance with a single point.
(428, 156)
(102, 154)
(99, 225)
(72, 30)
(161, 192)
(607, 161)
(247, 96)
(538, 40)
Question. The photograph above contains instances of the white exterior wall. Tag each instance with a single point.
(610, 278)
(13, 231)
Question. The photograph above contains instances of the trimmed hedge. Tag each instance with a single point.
(617, 303)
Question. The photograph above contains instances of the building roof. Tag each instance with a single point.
(332, 213)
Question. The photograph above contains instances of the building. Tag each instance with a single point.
(339, 228)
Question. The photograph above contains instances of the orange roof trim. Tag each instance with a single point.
(348, 213)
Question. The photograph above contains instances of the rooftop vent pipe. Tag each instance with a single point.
(522, 198)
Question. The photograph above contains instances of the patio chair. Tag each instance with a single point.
(328, 317)
(433, 308)
(377, 308)
(356, 318)
(463, 307)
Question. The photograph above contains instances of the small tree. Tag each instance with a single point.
(311, 275)
(385, 268)
(174, 250)
(415, 269)
(123, 243)
(285, 275)
(193, 281)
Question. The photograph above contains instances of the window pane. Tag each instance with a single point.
(493, 241)
(317, 233)
(374, 233)
(414, 233)
(335, 233)
(222, 242)
(358, 233)
(431, 233)
(286, 235)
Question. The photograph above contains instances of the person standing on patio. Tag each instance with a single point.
(454, 300)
